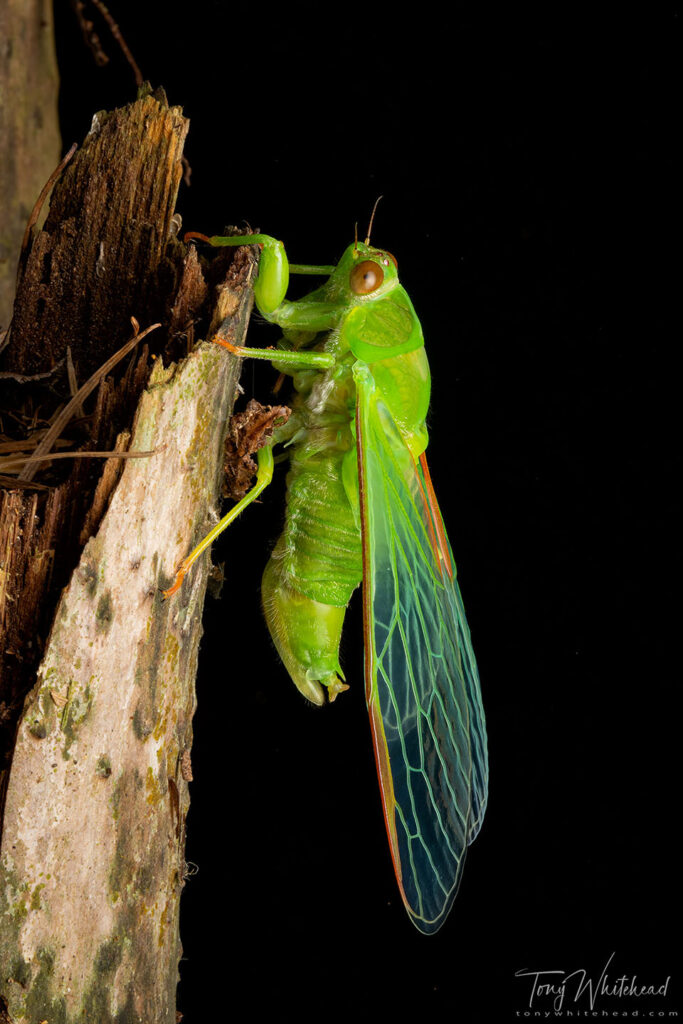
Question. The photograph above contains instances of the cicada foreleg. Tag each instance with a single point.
(270, 287)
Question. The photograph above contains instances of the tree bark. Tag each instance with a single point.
(92, 859)
(29, 126)
(110, 217)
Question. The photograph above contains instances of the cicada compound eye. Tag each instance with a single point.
(366, 277)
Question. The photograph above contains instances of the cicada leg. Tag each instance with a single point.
(270, 287)
(263, 478)
(271, 284)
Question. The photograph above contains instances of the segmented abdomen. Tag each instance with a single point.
(320, 545)
(319, 552)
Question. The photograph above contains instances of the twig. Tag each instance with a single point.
(116, 32)
(26, 378)
(7, 464)
(90, 36)
(10, 447)
(73, 380)
(11, 483)
(70, 408)
(187, 170)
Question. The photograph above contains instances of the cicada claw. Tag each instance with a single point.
(178, 582)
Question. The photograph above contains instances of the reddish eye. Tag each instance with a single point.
(392, 258)
(366, 277)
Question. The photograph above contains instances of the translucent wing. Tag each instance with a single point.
(422, 686)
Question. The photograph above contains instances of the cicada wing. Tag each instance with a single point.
(470, 673)
(422, 686)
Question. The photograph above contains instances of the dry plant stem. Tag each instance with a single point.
(73, 380)
(76, 402)
(10, 481)
(8, 464)
(90, 36)
(30, 442)
(116, 32)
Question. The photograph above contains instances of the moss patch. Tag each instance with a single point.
(41, 1001)
(75, 712)
(105, 612)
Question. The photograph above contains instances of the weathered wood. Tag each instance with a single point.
(92, 856)
(110, 215)
(29, 126)
(109, 219)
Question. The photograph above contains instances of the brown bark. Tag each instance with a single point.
(29, 127)
(92, 858)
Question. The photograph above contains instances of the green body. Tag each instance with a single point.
(317, 563)
(361, 506)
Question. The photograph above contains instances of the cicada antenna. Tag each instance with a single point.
(372, 217)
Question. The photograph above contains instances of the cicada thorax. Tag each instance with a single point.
(317, 562)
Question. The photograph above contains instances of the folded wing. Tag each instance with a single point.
(422, 685)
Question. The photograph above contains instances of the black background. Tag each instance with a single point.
(527, 173)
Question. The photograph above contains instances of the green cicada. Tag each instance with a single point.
(361, 507)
